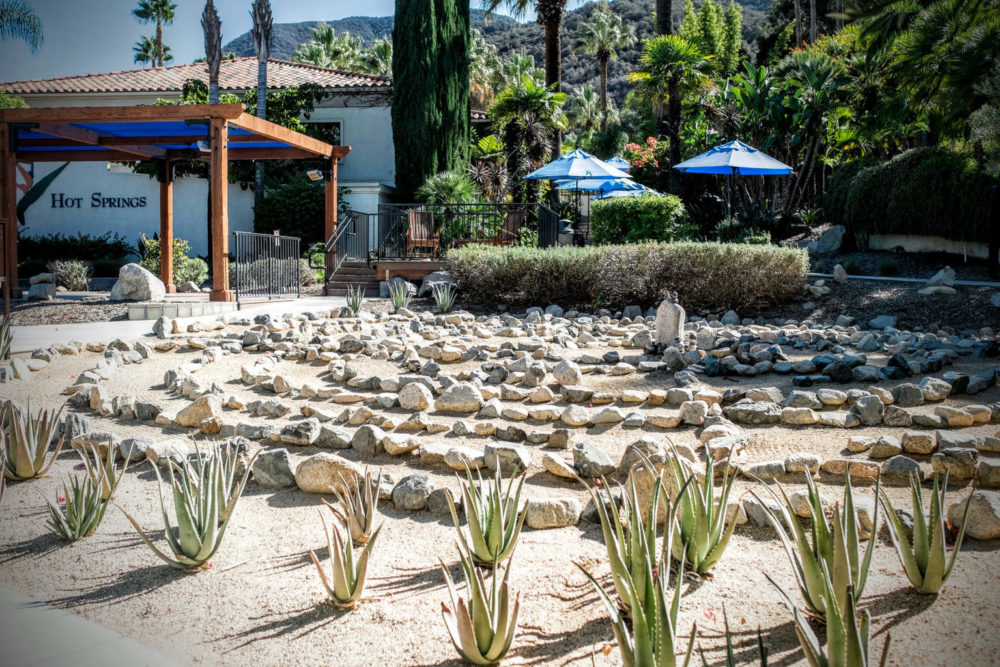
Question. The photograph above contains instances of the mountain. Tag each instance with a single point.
(510, 36)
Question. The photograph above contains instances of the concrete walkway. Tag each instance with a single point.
(34, 633)
(29, 338)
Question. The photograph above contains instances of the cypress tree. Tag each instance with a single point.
(416, 113)
(453, 43)
(732, 38)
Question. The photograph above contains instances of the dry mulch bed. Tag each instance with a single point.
(66, 311)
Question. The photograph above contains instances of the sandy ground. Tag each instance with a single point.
(261, 602)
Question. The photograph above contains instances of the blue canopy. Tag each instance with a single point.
(584, 184)
(577, 165)
(624, 188)
(619, 162)
(734, 158)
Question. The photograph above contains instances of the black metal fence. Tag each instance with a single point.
(265, 265)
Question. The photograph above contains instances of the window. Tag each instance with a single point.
(328, 132)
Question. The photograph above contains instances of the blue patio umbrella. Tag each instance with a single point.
(624, 188)
(734, 159)
(619, 162)
(585, 184)
(576, 165)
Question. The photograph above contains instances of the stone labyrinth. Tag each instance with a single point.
(555, 393)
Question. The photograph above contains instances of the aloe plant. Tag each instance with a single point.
(700, 528)
(105, 473)
(26, 441)
(444, 297)
(399, 294)
(835, 552)
(6, 337)
(494, 517)
(482, 624)
(358, 504)
(348, 571)
(847, 631)
(355, 297)
(762, 651)
(80, 510)
(651, 638)
(200, 523)
(925, 560)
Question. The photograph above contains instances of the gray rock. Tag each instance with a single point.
(983, 520)
(944, 277)
(303, 433)
(412, 492)
(509, 458)
(757, 514)
(72, 425)
(415, 397)
(902, 467)
(567, 374)
(460, 397)
(829, 242)
(747, 411)
(432, 279)
(273, 468)
(869, 409)
(908, 395)
(882, 322)
(552, 513)
(137, 284)
(670, 318)
(42, 292)
(368, 440)
(591, 461)
(730, 318)
(885, 447)
(437, 502)
(958, 463)
(134, 449)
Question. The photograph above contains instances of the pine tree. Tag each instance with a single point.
(454, 34)
(416, 114)
(732, 39)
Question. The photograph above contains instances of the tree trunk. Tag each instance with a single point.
(602, 59)
(673, 128)
(798, 22)
(664, 17)
(159, 42)
(258, 181)
(812, 20)
(553, 61)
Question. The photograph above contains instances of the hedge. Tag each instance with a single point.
(925, 191)
(644, 218)
(704, 275)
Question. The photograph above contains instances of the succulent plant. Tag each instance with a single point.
(482, 624)
(762, 651)
(200, 523)
(105, 473)
(347, 570)
(925, 560)
(835, 558)
(700, 528)
(26, 439)
(651, 637)
(358, 504)
(399, 294)
(355, 297)
(6, 337)
(444, 297)
(494, 516)
(80, 509)
(847, 632)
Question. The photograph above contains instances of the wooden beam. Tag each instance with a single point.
(166, 178)
(330, 217)
(78, 156)
(283, 134)
(82, 135)
(219, 183)
(167, 139)
(8, 207)
(340, 152)
(151, 113)
(269, 154)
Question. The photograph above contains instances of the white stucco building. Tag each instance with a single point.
(95, 198)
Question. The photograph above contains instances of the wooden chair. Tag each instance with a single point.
(510, 229)
(420, 232)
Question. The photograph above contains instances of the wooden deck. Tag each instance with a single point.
(410, 269)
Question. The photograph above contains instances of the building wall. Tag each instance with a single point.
(69, 205)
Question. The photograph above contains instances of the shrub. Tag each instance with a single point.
(73, 274)
(107, 253)
(705, 275)
(186, 269)
(296, 209)
(645, 218)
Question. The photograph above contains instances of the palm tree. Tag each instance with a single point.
(484, 65)
(145, 51)
(549, 14)
(377, 58)
(600, 36)
(159, 12)
(212, 27)
(670, 68)
(328, 49)
(17, 20)
(585, 112)
(263, 24)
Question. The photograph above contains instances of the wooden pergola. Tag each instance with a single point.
(213, 133)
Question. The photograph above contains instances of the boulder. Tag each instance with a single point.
(432, 279)
(460, 397)
(507, 457)
(42, 292)
(829, 242)
(983, 520)
(670, 318)
(321, 471)
(415, 397)
(137, 284)
(412, 492)
(273, 468)
(202, 409)
(591, 461)
(552, 513)
(945, 277)
(567, 373)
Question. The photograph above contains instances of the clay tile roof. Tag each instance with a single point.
(234, 75)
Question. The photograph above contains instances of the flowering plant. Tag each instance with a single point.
(650, 163)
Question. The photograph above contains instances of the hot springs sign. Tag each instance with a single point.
(97, 200)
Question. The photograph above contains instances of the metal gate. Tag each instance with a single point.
(265, 265)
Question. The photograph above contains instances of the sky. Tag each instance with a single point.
(85, 36)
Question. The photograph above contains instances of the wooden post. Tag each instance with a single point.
(8, 204)
(166, 178)
(219, 182)
(330, 208)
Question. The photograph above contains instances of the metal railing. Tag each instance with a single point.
(349, 242)
(265, 265)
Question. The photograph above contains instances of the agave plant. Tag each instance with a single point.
(26, 441)
(228, 460)
(834, 552)
(482, 624)
(651, 638)
(200, 523)
(105, 474)
(494, 517)
(358, 503)
(700, 528)
(925, 560)
(399, 294)
(6, 337)
(80, 511)
(348, 571)
(762, 651)
(444, 297)
(847, 632)
(355, 297)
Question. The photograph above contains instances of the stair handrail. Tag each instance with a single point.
(333, 246)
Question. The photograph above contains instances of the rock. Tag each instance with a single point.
(988, 472)
(765, 470)
(319, 472)
(829, 242)
(803, 399)
(558, 466)
(919, 442)
(458, 458)
(885, 447)
(415, 397)
(839, 274)
(882, 322)
(908, 395)
(747, 411)
(42, 292)
(575, 415)
(188, 287)
(693, 413)
(802, 462)
(902, 467)
(42, 278)
(332, 437)
(983, 519)
(945, 277)
(860, 443)
(730, 318)
(567, 373)
(72, 425)
(896, 416)
(757, 508)
(552, 513)
(101, 441)
(647, 449)
(137, 284)
(432, 279)
(273, 468)
(669, 326)
(869, 409)
(460, 397)
(412, 492)
(205, 408)
(799, 500)
(591, 461)
(859, 469)
(509, 458)
(368, 440)
(169, 450)
(303, 433)
(437, 502)
(955, 417)
(959, 463)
